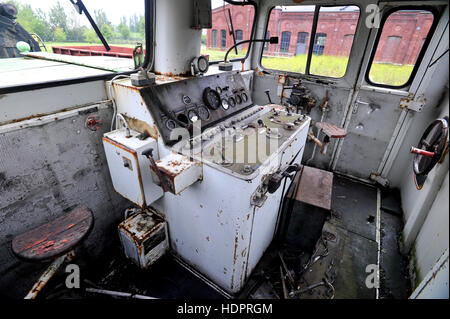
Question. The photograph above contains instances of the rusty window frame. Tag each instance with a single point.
(386, 15)
(312, 39)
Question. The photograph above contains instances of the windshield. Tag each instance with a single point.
(56, 27)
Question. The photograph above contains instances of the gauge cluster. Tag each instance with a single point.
(209, 99)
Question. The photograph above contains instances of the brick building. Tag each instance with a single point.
(404, 32)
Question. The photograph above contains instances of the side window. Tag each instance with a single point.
(336, 27)
(331, 45)
(399, 46)
(227, 18)
(282, 56)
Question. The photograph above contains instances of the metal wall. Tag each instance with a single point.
(46, 170)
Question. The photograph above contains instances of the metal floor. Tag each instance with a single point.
(350, 247)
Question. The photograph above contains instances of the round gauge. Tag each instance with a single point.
(225, 104)
(238, 99)
(203, 113)
(244, 97)
(170, 124)
(203, 64)
(211, 98)
(219, 90)
(232, 101)
(193, 116)
(187, 100)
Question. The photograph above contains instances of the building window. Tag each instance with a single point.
(214, 38)
(239, 36)
(302, 43)
(285, 41)
(266, 44)
(319, 43)
(223, 39)
(330, 53)
(397, 52)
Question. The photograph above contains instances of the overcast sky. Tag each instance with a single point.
(113, 8)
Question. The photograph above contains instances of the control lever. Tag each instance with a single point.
(277, 177)
(149, 154)
(268, 96)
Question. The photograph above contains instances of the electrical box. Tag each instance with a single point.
(130, 171)
(144, 238)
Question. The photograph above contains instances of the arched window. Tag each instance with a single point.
(214, 38)
(266, 44)
(319, 43)
(239, 37)
(223, 39)
(302, 43)
(285, 41)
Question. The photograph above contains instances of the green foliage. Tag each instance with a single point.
(90, 36)
(101, 19)
(58, 17)
(123, 28)
(59, 34)
(107, 32)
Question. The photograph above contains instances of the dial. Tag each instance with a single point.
(232, 101)
(192, 116)
(170, 124)
(238, 99)
(244, 97)
(211, 98)
(203, 113)
(203, 64)
(219, 90)
(225, 104)
(187, 100)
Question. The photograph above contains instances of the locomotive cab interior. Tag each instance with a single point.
(254, 149)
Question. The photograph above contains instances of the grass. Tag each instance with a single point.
(330, 66)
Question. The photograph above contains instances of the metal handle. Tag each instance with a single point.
(415, 150)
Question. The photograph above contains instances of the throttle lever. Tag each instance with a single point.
(149, 154)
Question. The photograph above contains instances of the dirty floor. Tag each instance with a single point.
(338, 268)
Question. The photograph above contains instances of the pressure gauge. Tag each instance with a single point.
(199, 65)
(244, 97)
(193, 116)
(225, 104)
(232, 101)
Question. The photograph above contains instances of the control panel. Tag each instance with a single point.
(209, 99)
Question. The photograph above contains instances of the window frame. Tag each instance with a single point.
(252, 32)
(312, 36)
(386, 15)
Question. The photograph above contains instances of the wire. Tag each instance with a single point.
(111, 94)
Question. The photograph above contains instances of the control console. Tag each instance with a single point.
(209, 99)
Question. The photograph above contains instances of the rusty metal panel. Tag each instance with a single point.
(130, 170)
(180, 172)
(144, 239)
(315, 187)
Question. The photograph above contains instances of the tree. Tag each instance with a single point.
(33, 22)
(107, 32)
(58, 17)
(123, 28)
(60, 35)
(141, 29)
(134, 23)
(101, 19)
(90, 36)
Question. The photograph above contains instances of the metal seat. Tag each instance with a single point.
(55, 238)
(55, 241)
